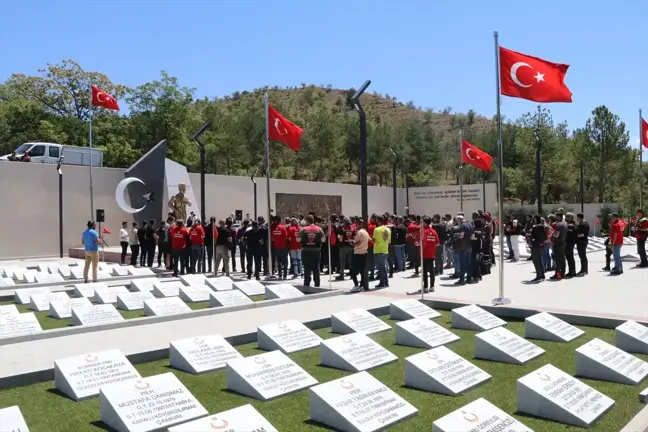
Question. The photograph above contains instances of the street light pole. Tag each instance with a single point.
(538, 170)
(60, 203)
(394, 165)
(364, 196)
(195, 137)
(254, 189)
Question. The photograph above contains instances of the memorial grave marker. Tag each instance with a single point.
(358, 403)
(118, 270)
(195, 293)
(201, 354)
(88, 290)
(29, 276)
(354, 352)
(250, 288)
(43, 277)
(12, 420)
(8, 309)
(602, 361)
(21, 324)
(23, 295)
(244, 418)
(643, 396)
(95, 315)
(502, 345)
(544, 326)
(228, 298)
(140, 271)
(472, 317)
(109, 295)
(80, 377)
(62, 308)
(286, 336)
(76, 272)
(357, 320)
(41, 302)
(145, 284)
(6, 282)
(550, 393)
(423, 333)
(266, 376)
(441, 370)
(479, 415)
(167, 289)
(148, 404)
(220, 283)
(131, 301)
(103, 275)
(282, 291)
(193, 279)
(165, 306)
(632, 337)
(410, 309)
(64, 270)
(104, 266)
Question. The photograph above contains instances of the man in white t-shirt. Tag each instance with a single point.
(123, 241)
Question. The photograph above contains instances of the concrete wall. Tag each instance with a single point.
(447, 199)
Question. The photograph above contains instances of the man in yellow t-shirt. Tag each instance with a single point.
(381, 238)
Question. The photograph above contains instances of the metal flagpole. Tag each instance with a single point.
(421, 254)
(267, 167)
(213, 240)
(641, 142)
(330, 272)
(500, 300)
(90, 143)
(461, 172)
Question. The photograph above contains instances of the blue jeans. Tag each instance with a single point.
(399, 255)
(456, 262)
(295, 261)
(282, 261)
(381, 264)
(464, 263)
(546, 257)
(616, 253)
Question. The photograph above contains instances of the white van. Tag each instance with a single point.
(50, 153)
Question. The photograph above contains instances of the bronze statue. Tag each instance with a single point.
(179, 202)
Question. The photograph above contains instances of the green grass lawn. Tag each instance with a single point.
(46, 411)
(48, 323)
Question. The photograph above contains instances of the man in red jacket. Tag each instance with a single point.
(294, 244)
(413, 243)
(179, 235)
(429, 245)
(280, 247)
(641, 233)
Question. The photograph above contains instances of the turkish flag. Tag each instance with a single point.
(644, 133)
(532, 78)
(103, 99)
(283, 130)
(471, 155)
(106, 231)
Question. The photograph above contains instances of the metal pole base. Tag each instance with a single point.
(499, 301)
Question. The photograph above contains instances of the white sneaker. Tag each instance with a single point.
(356, 289)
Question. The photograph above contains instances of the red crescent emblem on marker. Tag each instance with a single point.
(416, 322)
(219, 423)
(471, 417)
(91, 358)
(432, 356)
(282, 326)
(141, 385)
(347, 339)
(495, 334)
(198, 341)
(595, 347)
(544, 377)
(347, 385)
(259, 360)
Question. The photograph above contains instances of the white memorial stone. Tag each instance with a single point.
(410, 309)
(266, 376)
(357, 320)
(109, 294)
(423, 333)
(544, 326)
(358, 403)
(48, 278)
(165, 306)
(632, 337)
(7, 271)
(228, 298)
(244, 419)
(354, 352)
(201, 354)
(502, 345)
(472, 317)
(64, 270)
(104, 266)
(643, 396)
(441, 370)
(282, 291)
(195, 293)
(29, 276)
(140, 271)
(16, 273)
(220, 283)
(600, 360)
(148, 404)
(118, 270)
(77, 272)
(21, 324)
(62, 308)
(6, 282)
(101, 275)
(23, 295)
(479, 415)
(193, 279)
(145, 284)
(250, 288)
(44, 267)
(80, 377)
(8, 309)
(41, 302)
(167, 289)
(12, 420)
(287, 336)
(131, 301)
(552, 394)
(95, 315)
(88, 290)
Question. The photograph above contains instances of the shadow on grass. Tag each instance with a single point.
(101, 425)
(57, 392)
(318, 424)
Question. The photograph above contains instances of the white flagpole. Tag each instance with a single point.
(90, 143)
(641, 142)
(461, 172)
(500, 300)
(267, 150)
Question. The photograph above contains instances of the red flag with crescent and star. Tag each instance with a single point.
(283, 130)
(471, 155)
(103, 99)
(644, 133)
(532, 78)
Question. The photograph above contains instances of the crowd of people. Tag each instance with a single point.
(375, 249)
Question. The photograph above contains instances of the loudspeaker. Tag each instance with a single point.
(238, 214)
(101, 216)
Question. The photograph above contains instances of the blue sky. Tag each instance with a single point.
(437, 54)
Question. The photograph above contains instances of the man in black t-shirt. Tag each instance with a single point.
(559, 242)
(345, 234)
(399, 235)
(440, 228)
